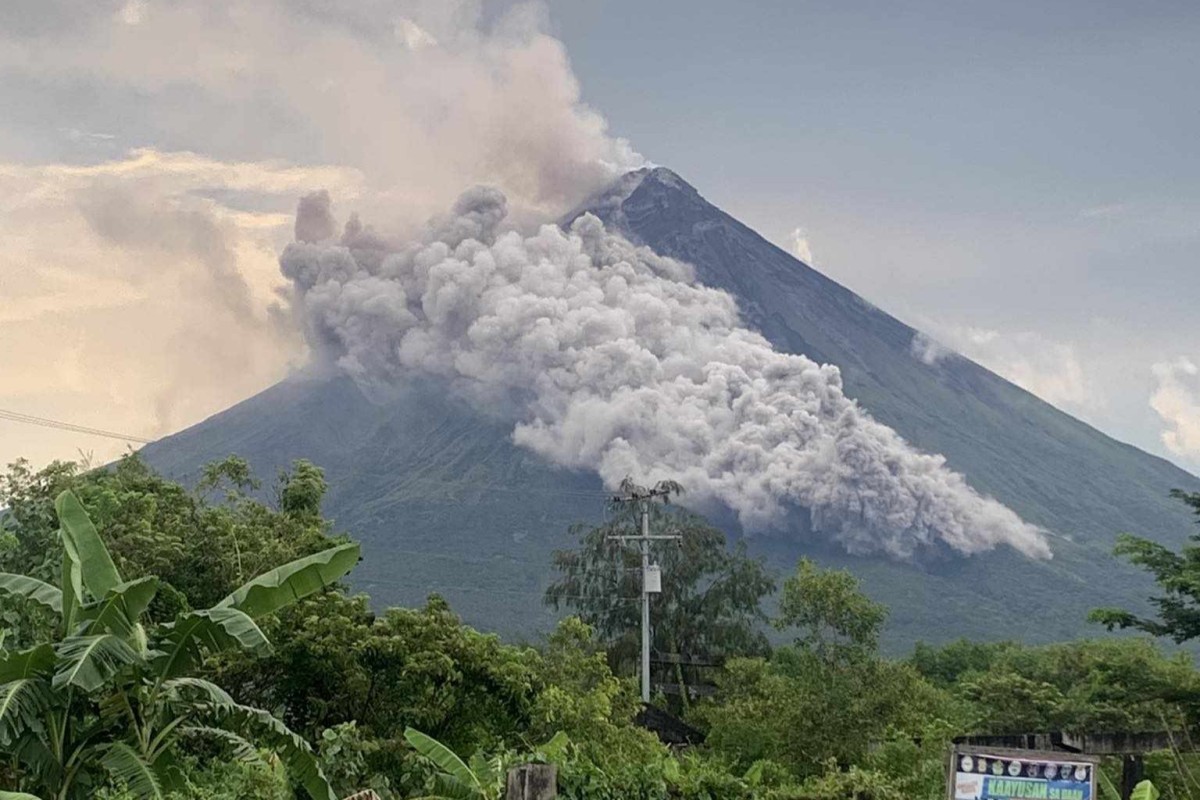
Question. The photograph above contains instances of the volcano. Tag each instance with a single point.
(444, 502)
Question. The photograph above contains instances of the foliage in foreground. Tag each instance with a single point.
(823, 717)
(111, 701)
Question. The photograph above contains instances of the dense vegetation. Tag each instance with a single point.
(131, 656)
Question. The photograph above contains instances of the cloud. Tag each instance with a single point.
(1176, 400)
(927, 350)
(610, 358)
(1050, 369)
(136, 301)
(801, 247)
(133, 12)
(1108, 211)
(421, 96)
(139, 288)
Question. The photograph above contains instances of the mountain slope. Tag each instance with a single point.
(444, 502)
(1051, 468)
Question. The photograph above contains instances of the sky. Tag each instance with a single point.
(1017, 180)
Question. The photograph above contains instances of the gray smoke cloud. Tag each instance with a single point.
(314, 218)
(611, 358)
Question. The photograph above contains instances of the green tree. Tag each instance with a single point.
(302, 489)
(200, 545)
(481, 779)
(111, 700)
(836, 622)
(1177, 575)
(827, 697)
(605, 754)
(711, 594)
(945, 666)
(1113, 684)
(336, 661)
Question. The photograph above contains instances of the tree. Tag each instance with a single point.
(836, 622)
(591, 713)
(1177, 574)
(711, 594)
(111, 699)
(1104, 685)
(336, 661)
(302, 489)
(482, 779)
(201, 545)
(946, 665)
(828, 696)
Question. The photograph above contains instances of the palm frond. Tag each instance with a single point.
(87, 662)
(71, 583)
(22, 704)
(37, 759)
(243, 749)
(295, 753)
(447, 788)
(292, 581)
(16, 664)
(205, 691)
(98, 570)
(121, 607)
(128, 767)
(1145, 791)
(213, 630)
(444, 759)
(32, 590)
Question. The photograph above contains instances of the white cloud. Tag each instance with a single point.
(1105, 211)
(1176, 400)
(928, 350)
(424, 97)
(133, 12)
(138, 291)
(135, 301)
(1050, 369)
(802, 247)
(413, 35)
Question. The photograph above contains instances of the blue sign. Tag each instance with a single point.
(981, 776)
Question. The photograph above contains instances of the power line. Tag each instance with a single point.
(507, 559)
(29, 419)
(369, 581)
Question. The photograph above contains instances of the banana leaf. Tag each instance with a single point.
(32, 589)
(292, 581)
(97, 568)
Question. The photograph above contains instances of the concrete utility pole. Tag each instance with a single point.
(532, 782)
(651, 576)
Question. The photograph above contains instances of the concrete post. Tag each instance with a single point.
(532, 782)
(1133, 769)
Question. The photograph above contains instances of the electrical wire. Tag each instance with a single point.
(502, 560)
(45, 422)
(369, 581)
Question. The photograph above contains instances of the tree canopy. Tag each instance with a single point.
(1177, 575)
(710, 605)
(256, 696)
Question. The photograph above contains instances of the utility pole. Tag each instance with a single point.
(651, 576)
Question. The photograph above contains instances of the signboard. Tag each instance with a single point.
(1002, 774)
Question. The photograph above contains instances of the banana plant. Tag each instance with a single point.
(1145, 790)
(479, 778)
(482, 779)
(110, 700)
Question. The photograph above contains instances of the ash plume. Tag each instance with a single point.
(608, 357)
